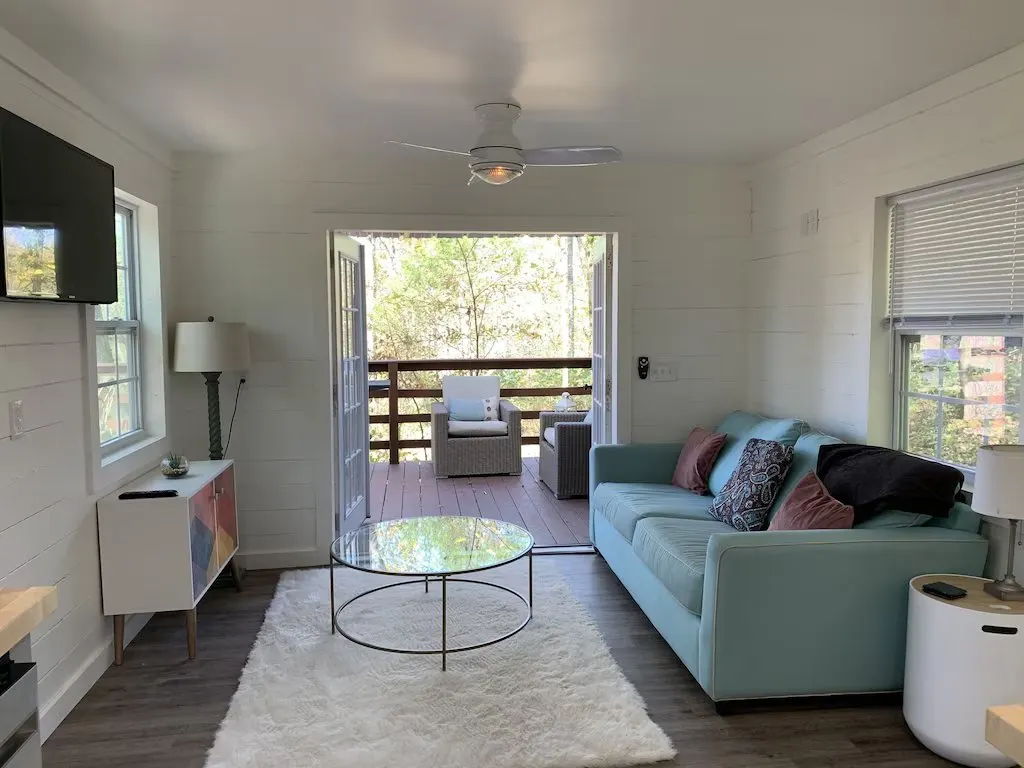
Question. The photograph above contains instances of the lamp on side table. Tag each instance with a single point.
(998, 486)
(211, 348)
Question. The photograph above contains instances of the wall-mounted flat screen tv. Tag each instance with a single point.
(57, 207)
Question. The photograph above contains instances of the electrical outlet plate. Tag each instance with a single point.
(17, 413)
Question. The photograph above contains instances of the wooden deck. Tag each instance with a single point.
(410, 489)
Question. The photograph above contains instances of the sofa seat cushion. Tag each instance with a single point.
(477, 428)
(623, 504)
(675, 552)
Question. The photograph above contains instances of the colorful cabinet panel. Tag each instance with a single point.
(163, 554)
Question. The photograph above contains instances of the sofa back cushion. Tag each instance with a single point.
(741, 426)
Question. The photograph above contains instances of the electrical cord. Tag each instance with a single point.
(234, 411)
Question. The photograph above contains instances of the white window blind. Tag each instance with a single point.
(957, 252)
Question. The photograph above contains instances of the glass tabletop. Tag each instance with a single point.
(429, 546)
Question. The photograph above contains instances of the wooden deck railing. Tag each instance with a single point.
(394, 393)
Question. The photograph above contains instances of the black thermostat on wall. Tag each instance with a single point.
(643, 366)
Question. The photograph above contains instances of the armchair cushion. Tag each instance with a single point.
(492, 428)
(549, 435)
(469, 388)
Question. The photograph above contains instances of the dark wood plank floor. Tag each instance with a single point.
(160, 711)
(410, 489)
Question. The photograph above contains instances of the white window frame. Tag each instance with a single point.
(133, 326)
(118, 461)
(901, 399)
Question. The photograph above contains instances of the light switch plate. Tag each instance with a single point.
(664, 370)
(17, 418)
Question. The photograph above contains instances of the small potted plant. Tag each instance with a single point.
(174, 465)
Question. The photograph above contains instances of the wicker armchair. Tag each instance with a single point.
(565, 460)
(456, 455)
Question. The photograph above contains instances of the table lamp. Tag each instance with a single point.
(999, 492)
(211, 348)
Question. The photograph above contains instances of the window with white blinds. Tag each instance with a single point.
(957, 252)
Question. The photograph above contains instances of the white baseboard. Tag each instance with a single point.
(53, 712)
(299, 558)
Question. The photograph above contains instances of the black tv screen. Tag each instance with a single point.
(57, 207)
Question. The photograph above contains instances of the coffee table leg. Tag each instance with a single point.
(444, 623)
(426, 584)
(531, 581)
(333, 628)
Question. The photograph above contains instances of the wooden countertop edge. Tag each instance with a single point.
(1004, 730)
(21, 611)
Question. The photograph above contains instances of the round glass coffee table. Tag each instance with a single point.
(434, 549)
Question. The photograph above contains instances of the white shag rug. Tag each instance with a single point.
(550, 697)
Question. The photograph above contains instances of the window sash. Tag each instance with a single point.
(129, 328)
(902, 394)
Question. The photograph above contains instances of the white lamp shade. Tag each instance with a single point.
(211, 347)
(999, 481)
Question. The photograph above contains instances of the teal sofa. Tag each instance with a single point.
(771, 613)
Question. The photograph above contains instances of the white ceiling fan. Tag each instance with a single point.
(498, 157)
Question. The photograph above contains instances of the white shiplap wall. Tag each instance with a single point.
(250, 240)
(47, 517)
(816, 347)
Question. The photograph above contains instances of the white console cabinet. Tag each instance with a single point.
(162, 554)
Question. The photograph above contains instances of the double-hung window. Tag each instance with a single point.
(118, 371)
(956, 309)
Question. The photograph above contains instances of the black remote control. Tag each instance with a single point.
(128, 495)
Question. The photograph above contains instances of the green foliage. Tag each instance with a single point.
(984, 371)
(479, 297)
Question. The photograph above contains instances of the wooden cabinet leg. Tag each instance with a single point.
(236, 574)
(190, 632)
(119, 639)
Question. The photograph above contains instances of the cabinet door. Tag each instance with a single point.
(227, 516)
(203, 508)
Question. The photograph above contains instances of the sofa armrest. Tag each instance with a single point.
(636, 463)
(551, 418)
(817, 612)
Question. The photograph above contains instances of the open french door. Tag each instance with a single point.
(601, 286)
(350, 388)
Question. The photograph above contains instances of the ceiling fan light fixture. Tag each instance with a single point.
(497, 173)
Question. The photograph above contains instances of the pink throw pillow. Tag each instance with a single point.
(810, 507)
(696, 459)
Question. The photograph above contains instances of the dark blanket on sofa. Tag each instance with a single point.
(872, 480)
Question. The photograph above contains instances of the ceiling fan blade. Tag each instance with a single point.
(571, 155)
(432, 149)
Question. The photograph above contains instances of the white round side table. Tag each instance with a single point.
(963, 656)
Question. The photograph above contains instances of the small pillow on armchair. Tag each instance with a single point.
(746, 499)
(461, 409)
(696, 459)
(810, 507)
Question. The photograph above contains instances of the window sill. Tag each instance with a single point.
(127, 462)
(124, 452)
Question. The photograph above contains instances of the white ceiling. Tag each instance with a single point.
(662, 79)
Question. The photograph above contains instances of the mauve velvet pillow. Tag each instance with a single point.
(809, 507)
(696, 459)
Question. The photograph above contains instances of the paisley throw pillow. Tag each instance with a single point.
(746, 499)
